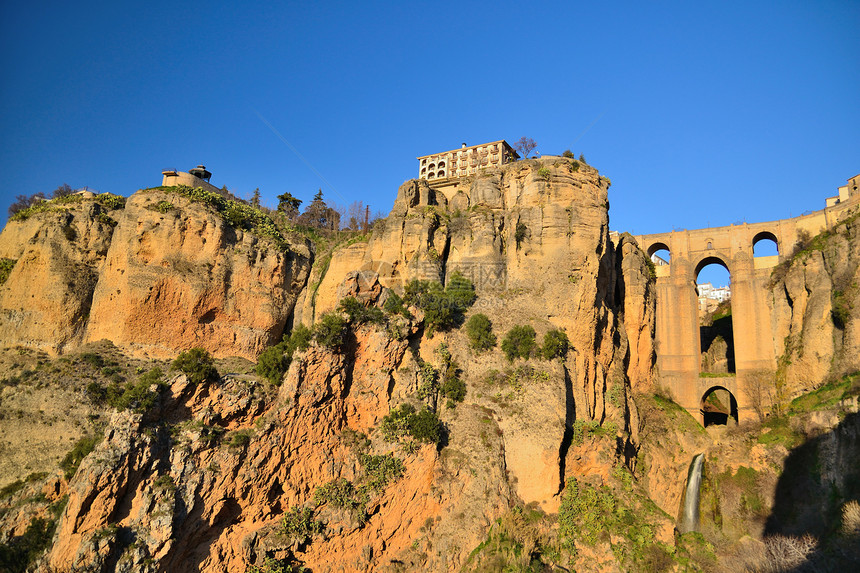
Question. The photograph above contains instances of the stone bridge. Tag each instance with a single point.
(755, 347)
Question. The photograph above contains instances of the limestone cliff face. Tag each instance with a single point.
(817, 310)
(185, 278)
(533, 237)
(47, 298)
(153, 282)
(190, 504)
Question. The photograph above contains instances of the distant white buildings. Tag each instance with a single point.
(710, 296)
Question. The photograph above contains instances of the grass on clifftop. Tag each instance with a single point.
(236, 213)
(107, 200)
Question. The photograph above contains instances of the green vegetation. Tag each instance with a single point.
(6, 266)
(81, 449)
(568, 153)
(519, 342)
(543, 173)
(520, 233)
(828, 395)
(405, 424)
(443, 307)
(299, 524)
(161, 206)
(331, 331)
(274, 361)
(19, 553)
(107, 200)
(618, 515)
(451, 387)
(358, 314)
(555, 344)
(237, 213)
(394, 305)
(377, 473)
(240, 438)
(197, 364)
(138, 397)
(271, 565)
(479, 329)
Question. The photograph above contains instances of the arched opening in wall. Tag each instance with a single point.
(719, 407)
(765, 245)
(659, 254)
(716, 337)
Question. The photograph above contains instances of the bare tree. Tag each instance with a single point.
(62, 191)
(760, 390)
(524, 146)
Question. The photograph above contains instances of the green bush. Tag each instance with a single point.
(443, 307)
(339, 493)
(138, 397)
(555, 344)
(20, 552)
(519, 342)
(480, 332)
(6, 266)
(358, 314)
(274, 361)
(240, 438)
(79, 451)
(299, 523)
(405, 423)
(544, 173)
(379, 471)
(197, 364)
(331, 331)
(271, 565)
(394, 305)
(520, 233)
(568, 153)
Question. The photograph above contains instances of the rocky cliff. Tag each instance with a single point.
(816, 303)
(205, 480)
(165, 273)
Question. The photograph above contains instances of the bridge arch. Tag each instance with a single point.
(769, 239)
(658, 247)
(711, 260)
(719, 406)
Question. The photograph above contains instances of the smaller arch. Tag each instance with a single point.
(657, 247)
(711, 260)
(441, 173)
(441, 164)
(765, 244)
(431, 175)
(718, 407)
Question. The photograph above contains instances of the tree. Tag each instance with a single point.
(24, 202)
(255, 198)
(61, 191)
(288, 205)
(519, 342)
(480, 332)
(524, 146)
(319, 215)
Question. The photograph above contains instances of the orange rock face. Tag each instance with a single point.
(193, 505)
(185, 279)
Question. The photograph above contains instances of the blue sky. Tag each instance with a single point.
(700, 113)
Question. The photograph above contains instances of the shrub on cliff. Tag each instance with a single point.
(81, 449)
(479, 329)
(197, 364)
(358, 314)
(555, 344)
(6, 266)
(274, 361)
(331, 331)
(405, 423)
(519, 342)
(299, 524)
(443, 307)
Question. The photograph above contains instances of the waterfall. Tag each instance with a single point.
(690, 510)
